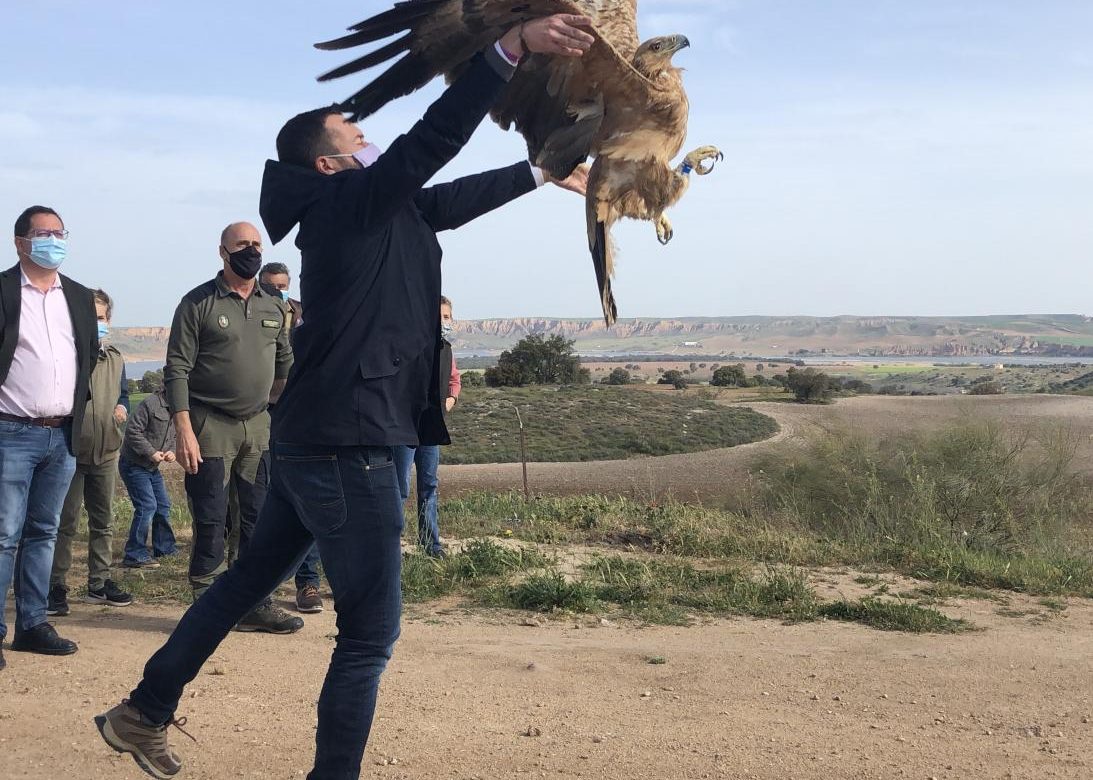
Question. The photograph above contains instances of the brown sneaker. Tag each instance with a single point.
(308, 599)
(126, 732)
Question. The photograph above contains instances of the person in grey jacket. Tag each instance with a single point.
(149, 441)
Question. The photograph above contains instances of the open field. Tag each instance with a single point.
(711, 476)
(816, 620)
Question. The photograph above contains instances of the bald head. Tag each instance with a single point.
(239, 235)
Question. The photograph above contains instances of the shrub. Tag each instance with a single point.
(674, 378)
(537, 360)
(728, 376)
(985, 388)
(619, 376)
(809, 386)
(472, 379)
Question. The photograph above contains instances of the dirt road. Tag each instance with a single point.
(735, 699)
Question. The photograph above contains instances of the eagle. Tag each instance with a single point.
(622, 103)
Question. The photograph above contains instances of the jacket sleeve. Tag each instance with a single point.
(182, 346)
(376, 193)
(123, 397)
(452, 205)
(135, 429)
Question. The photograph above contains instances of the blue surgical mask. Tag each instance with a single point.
(446, 329)
(104, 330)
(284, 295)
(48, 252)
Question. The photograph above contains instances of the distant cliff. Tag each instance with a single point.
(1054, 335)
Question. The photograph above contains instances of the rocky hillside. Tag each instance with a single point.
(1055, 335)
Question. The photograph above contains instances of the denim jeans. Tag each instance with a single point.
(347, 500)
(426, 459)
(35, 471)
(151, 508)
(308, 573)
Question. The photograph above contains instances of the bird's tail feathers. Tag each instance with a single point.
(603, 251)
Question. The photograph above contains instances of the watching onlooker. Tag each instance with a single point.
(227, 353)
(426, 458)
(149, 441)
(95, 478)
(47, 345)
(275, 277)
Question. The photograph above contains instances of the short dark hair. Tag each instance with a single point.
(105, 300)
(273, 269)
(445, 301)
(304, 138)
(22, 225)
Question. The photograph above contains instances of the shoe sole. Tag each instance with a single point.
(58, 612)
(242, 628)
(309, 610)
(149, 565)
(106, 602)
(111, 738)
(19, 649)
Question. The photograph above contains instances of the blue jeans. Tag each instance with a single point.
(347, 500)
(308, 573)
(35, 471)
(427, 461)
(151, 508)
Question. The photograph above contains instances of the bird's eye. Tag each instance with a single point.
(656, 47)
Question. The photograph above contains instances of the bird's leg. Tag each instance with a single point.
(664, 229)
(694, 161)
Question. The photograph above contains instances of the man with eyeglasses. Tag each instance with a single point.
(48, 338)
(227, 353)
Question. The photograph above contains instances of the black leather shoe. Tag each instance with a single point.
(43, 639)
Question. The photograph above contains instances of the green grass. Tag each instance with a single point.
(594, 423)
(888, 615)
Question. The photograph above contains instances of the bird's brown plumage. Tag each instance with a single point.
(621, 102)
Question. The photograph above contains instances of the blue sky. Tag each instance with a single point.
(882, 156)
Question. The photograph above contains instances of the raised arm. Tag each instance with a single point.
(451, 205)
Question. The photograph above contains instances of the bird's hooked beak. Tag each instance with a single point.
(681, 42)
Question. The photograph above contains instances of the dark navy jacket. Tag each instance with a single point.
(367, 355)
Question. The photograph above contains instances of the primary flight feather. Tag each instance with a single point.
(623, 102)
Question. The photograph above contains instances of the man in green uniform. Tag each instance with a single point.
(97, 452)
(228, 349)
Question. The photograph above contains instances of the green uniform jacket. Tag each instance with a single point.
(100, 437)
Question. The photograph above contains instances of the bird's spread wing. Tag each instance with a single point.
(554, 102)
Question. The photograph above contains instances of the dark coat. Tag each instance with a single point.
(81, 307)
(151, 429)
(367, 353)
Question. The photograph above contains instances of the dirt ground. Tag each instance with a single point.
(734, 699)
(482, 694)
(708, 476)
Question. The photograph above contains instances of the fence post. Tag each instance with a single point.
(523, 453)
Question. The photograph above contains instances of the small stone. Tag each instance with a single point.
(884, 695)
(533, 731)
(597, 739)
(646, 694)
(530, 622)
(815, 697)
(836, 698)
(901, 739)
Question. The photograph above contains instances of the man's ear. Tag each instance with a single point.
(323, 166)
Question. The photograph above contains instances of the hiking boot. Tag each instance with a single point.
(42, 639)
(271, 620)
(110, 595)
(125, 730)
(57, 601)
(308, 599)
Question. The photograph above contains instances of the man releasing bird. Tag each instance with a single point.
(622, 103)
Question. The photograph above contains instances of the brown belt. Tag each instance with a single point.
(41, 422)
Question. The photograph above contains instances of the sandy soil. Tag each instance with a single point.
(483, 695)
(709, 476)
(735, 699)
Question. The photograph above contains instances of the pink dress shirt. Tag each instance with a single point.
(42, 379)
(455, 382)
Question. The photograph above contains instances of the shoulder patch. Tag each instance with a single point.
(271, 323)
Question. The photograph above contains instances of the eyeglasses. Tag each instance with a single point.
(61, 234)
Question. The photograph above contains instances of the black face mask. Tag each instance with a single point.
(246, 261)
